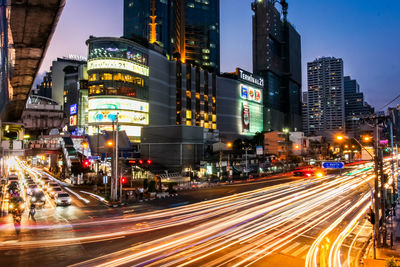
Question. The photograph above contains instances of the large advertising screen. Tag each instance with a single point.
(117, 65)
(124, 116)
(117, 103)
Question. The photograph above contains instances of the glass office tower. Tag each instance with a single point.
(185, 29)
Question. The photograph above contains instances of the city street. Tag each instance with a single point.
(292, 221)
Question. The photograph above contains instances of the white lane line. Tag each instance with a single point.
(78, 196)
(288, 249)
(300, 250)
(94, 195)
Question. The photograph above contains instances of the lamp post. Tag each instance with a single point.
(229, 146)
(373, 207)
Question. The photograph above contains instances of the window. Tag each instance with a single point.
(188, 114)
(92, 77)
(106, 77)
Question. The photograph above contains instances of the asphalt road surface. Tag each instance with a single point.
(284, 221)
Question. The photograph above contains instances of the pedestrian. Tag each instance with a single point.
(136, 194)
(32, 212)
(141, 190)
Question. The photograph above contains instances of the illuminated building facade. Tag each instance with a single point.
(240, 107)
(325, 98)
(187, 30)
(118, 75)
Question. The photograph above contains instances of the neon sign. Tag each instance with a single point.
(117, 64)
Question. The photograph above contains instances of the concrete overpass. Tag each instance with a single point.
(31, 27)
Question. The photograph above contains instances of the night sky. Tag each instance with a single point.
(364, 33)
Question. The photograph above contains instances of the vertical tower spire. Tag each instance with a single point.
(153, 24)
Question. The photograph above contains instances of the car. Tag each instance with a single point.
(62, 198)
(38, 198)
(32, 188)
(55, 190)
(12, 178)
(52, 184)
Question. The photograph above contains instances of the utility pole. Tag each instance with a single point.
(116, 159)
(376, 183)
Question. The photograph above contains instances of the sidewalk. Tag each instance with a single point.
(384, 254)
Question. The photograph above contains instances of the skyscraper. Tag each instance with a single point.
(187, 30)
(355, 106)
(4, 66)
(277, 58)
(326, 114)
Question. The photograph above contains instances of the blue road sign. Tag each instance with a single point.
(333, 165)
(94, 157)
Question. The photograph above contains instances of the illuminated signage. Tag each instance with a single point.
(117, 64)
(117, 103)
(249, 77)
(73, 109)
(250, 93)
(124, 116)
(73, 120)
(245, 118)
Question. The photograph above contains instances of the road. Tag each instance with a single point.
(312, 222)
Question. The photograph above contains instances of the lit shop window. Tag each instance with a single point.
(92, 77)
(106, 77)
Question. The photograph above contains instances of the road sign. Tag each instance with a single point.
(93, 157)
(333, 165)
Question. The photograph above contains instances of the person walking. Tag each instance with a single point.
(32, 212)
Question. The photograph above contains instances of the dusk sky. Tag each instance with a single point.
(364, 33)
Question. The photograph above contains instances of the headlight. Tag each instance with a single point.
(11, 206)
(43, 198)
(69, 200)
(22, 206)
(58, 200)
(34, 199)
(320, 174)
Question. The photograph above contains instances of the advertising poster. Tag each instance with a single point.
(245, 118)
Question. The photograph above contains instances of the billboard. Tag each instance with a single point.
(117, 103)
(124, 116)
(117, 64)
(250, 93)
(73, 120)
(73, 109)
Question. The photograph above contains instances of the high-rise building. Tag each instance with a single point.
(326, 115)
(355, 106)
(185, 29)
(58, 75)
(4, 63)
(277, 58)
(44, 88)
(304, 111)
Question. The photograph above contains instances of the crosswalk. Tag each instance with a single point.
(296, 249)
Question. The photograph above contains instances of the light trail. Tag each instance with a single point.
(236, 230)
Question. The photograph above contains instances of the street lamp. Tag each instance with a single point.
(110, 143)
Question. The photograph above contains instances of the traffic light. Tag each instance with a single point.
(371, 216)
(148, 162)
(140, 161)
(86, 163)
(123, 180)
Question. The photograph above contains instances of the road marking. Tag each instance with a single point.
(286, 250)
(300, 250)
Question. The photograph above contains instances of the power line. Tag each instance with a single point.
(390, 102)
